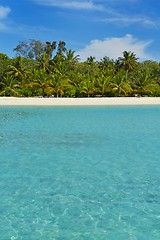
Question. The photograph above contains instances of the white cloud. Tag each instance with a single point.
(122, 1)
(130, 20)
(72, 4)
(4, 11)
(113, 16)
(114, 47)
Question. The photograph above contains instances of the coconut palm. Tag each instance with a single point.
(91, 60)
(128, 62)
(87, 85)
(70, 56)
(103, 82)
(38, 81)
(14, 72)
(43, 62)
(144, 82)
(49, 48)
(120, 85)
(10, 87)
(5, 61)
(16, 69)
(58, 84)
(107, 63)
(61, 48)
(19, 68)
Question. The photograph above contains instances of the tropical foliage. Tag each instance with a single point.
(51, 70)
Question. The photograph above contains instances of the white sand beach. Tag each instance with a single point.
(13, 101)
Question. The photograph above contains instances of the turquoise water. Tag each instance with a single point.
(80, 173)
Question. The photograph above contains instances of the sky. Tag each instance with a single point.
(95, 28)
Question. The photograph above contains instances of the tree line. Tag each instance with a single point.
(51, 70)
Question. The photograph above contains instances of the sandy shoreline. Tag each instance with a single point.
(12, 101)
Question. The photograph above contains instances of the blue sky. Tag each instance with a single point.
(90, 27)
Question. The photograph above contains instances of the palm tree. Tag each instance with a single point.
(107, 63)
(128, 62)
(91, 60)
(16, 69)
(91, 66)
(20, 69)
(87, 85)
(103, 82)
(58, 84)
(43, 62)
(120, 85)
(5, 61)
(50, 47)
(38, 81)
(14, 72)
(70, 61)
(70, 56)
(144, 83)
(10, 87)
(61, 48)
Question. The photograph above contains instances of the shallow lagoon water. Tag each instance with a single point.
(80, 173)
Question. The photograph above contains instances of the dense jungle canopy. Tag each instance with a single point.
(51, 70)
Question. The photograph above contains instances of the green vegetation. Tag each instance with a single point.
(50, 69)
